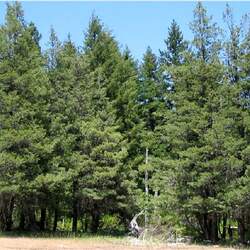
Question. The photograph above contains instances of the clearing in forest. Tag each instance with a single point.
(25, 243)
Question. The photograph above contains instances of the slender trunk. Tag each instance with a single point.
(9, 212)
(209, 227)
(74, 208)
(74, 217)
(206, 227)
(86, 224)
(146, 191)
(42, 219)
(55, 219)
(224, 229)
(6, 210)
(30, 219)
(230, 233)
(95, 221)
(201, 224)
(241, 230)
(22, 220)
(214, 228)
(82, 224)
(156, 215)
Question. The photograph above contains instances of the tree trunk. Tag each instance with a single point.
(6, 210)
(214, 228)
(241, 230)
(43, 219)
(55, 219)
(74, 208)
(86, 224)
(22, 220)
(9, 212)
(209, 226)
(95, 221)
(74, 217)
(30, 219)
(146, 191)
(206, 227)
(230, 233)
(224, 229)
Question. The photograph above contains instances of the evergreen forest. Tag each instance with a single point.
(89, 136)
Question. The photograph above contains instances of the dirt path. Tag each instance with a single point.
(22, 243)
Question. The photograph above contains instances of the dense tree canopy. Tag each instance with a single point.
(89, 137)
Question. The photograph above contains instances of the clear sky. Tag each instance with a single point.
(135, 24)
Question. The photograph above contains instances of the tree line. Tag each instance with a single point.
(76, 122)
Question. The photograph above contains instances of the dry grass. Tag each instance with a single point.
(24, 243)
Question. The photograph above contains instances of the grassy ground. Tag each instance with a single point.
(27, 242)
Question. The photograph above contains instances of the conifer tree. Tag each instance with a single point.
(232, 45)
(24, 90)
(64, 113)
(206, 42)
(238, 206)
(101, 150)
(196, 172)
(175, 46)
(86, 134)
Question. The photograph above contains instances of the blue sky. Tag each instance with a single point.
(135, 24)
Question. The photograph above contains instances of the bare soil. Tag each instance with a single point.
(25, 243)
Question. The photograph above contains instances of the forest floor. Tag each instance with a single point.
(95, 243)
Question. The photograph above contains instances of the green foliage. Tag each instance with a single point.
(75, 125)
(111, 223)
(206, 41)
(175, 46)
